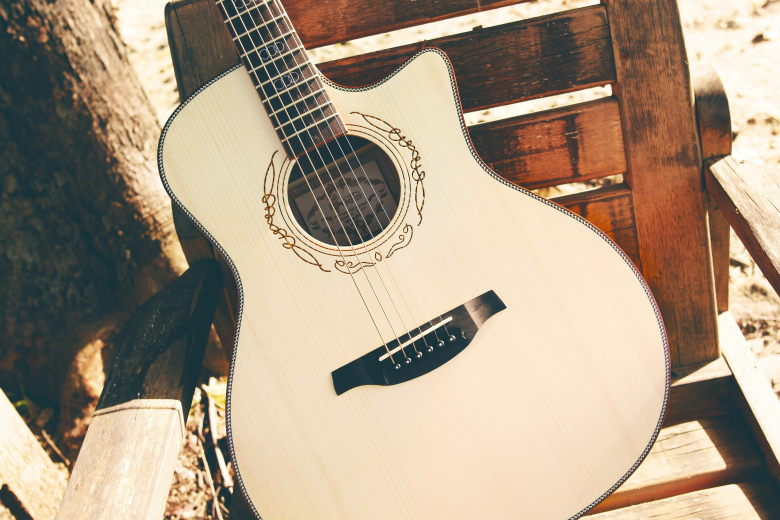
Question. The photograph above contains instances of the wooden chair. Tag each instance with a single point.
(666, 128)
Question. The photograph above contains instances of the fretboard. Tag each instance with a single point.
(288, 82)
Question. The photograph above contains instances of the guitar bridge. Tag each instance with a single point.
(413, 355)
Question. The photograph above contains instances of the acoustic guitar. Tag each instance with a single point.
(416, 336)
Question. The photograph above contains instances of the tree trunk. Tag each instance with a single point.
(86, 232)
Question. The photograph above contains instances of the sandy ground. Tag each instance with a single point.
(741, 38)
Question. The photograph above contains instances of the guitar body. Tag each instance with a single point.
(553, 404)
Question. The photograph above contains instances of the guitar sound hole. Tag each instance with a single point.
(349, 194)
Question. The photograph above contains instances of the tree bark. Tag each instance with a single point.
(86, 231)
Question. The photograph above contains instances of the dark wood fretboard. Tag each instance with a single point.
(288, 82)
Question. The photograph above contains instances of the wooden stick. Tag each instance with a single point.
(212, 408)
(209, 480)
(54, 447)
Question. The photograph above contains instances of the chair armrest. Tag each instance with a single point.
(126, 463)
(749, 198)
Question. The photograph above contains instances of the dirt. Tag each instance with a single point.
(741, 38)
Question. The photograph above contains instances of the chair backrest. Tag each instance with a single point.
(646, 130)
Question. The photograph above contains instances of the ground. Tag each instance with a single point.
(741, 38)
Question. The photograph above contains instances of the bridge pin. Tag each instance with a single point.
(452, 339)
(418, 355)
(440, 344)
(397, 366)
(429, 350)
(408, 361)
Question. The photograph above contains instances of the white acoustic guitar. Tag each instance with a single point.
(417, 337)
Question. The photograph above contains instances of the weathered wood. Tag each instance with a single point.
(714, 124)
(324, 23)
(200, 44)
(753, 501)
(125, 466)
(712, 112)
(569, 144)
(749, 197)
(753, 394)
(720, 239)
(508, 63)
(699, 391)
(30, 483)
(664, 171)
(126, 463)
(161, 352)
(690, 457)
(495, 66)
(610, 209)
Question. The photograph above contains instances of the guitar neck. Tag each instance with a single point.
(284, 76)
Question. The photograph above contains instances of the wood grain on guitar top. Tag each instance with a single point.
(553, 403)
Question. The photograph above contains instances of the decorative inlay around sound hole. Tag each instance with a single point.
(358, 204)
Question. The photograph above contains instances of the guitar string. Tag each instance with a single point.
(315, 77)
(333, 206)
(365, 304)
(290, 30)
(285, 18)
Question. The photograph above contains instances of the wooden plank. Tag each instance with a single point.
(712, 112)
(200, 43)
(559, 146)
(714, 124)
(699, 391)
(749, 197)
(163, 344)
(664, 171)
(325, 23)
(754, 395)
(690, 457)
(513, 62)
(720, 239)
(752, 501)
(125, 465)
(609, 209)
(524, 60)
(30, 483)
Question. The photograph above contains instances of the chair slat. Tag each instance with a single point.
(690, 457)
(200, 43)
(611, 210)
(324, 23)
(508, 63)
(753, 501)
(569, 144)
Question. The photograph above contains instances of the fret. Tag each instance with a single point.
(266, 24)
(274, 113)
(284, 72)
(267, 44)
(280, 93)
(251, 71)
(303, 143)
(258, 34)
(316, 123)
(318, 107)
(307, 121)
(285, 78)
